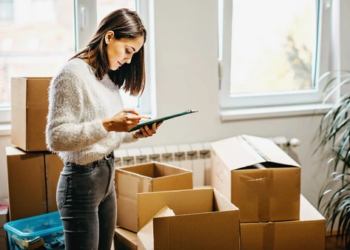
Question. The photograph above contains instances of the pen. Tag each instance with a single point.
(145, 117)
(142, 116)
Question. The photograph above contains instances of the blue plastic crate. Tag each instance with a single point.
(45, 231)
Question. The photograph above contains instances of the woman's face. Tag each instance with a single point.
(121, 51)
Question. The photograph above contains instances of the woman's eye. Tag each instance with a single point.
(127, 51)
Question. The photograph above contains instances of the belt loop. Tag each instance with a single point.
(109, 156)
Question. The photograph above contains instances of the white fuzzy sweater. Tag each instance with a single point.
(78, 103)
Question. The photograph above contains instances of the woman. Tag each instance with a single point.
(87, 122)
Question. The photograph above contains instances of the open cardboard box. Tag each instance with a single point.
(203, 219)
(29, 108)
(258, 177)
(305, 234)
(148, 177)
(124, 239)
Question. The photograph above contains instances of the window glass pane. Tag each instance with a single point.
(273, 45)
(104, 7)
(36, 39)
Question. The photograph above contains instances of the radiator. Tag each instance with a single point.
(193, 156)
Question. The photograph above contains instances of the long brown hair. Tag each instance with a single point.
(125, 24)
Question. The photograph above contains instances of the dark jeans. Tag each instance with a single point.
(87, 205)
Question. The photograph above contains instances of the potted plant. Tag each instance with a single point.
(334, 139)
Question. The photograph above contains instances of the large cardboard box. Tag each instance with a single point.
(29, 108)
(149, 177)
(53, 167)
(32, 180)
(124, 239)
(305, 234)
(203, 219)
(26, 183)
(258, 177)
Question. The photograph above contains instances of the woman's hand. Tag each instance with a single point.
(122, 121)
(146, 131)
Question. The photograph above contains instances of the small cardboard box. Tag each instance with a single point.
(53, 168)
(124, 239)
(305, 234)
(148, 177)
(26, 183)
(203, 219)
(29, 108)
(258, 177)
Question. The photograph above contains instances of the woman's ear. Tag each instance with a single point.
(109, 35)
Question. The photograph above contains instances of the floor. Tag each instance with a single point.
(333, 244)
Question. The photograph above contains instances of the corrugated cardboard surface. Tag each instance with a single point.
(203, 219)
(29, 108)
(4, 243)
(141, 178)
(124, 239)
(308, 233)
(53, 168)
(145, 239)
(270, 194)
(26, 184)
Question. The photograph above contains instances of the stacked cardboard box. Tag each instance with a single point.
(200, 218)
(264, 183)
(32, 171)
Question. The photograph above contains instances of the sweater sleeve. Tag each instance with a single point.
(64, 131)
(128, 138)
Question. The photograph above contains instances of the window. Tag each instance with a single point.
(270, 51)
(38, 37)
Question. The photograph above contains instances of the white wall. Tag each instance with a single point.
(187, 77)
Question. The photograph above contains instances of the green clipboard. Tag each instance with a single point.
(150, 122)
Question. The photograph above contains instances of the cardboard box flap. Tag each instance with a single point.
(154, 170)
(268, 150)
(308, 211)
(125, 239)
(244, 150)
(163, 170)
(14, 151)
(221, 203)
(236, 153)
(145, 240)
(181, 202)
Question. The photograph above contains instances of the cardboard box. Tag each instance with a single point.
(305, 234)
(203, 219)
(149, 177)
(53, 167)
(29, 108)
(145, 239)
(124, 239)
(26, 183)
(258, 177)
(3, 243)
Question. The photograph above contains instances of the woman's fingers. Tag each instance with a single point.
(130, 111)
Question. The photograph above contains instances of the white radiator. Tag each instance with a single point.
(195, 157)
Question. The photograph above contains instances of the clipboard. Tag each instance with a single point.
(150, 122)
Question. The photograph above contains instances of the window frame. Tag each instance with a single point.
(85, 17)
(312, 96)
